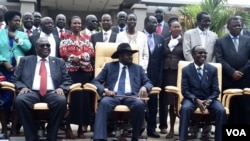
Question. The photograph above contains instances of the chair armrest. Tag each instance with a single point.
(75, 85)
(246, 91)
(155, 90)
(5, 85)
(72, 89)
(228, 94)
(172, 89)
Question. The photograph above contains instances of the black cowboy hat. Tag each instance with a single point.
(123, 47)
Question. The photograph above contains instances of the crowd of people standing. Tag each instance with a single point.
(161, 45)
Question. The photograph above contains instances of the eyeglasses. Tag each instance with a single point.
(44, 45)
(201, 52)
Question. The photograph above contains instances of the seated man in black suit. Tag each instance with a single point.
(122, 78)
(200, 89)
(41, 78)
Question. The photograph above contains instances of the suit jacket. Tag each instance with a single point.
(171, 58)
(246, 32)
(109, 75)
(55, 31)
(19, 50)
(24, 74)
(165, 31)
(192, 38)
(98, 37)
(115, 29)
(33, 39)
(231, 60)
(192, 87)
(155, 62)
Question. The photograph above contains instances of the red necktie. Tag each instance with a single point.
(61, 33)
(43, 81)
(28, 32)
(158, 30)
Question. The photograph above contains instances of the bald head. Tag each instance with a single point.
(91, 22)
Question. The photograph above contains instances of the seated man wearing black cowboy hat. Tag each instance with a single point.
(121, 78)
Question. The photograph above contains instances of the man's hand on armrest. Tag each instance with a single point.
(143, 92)
(58, 91)
(24, 91)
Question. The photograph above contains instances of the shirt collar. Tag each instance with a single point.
(201, 32)
(45, 35)
(233, 36)
(121, 65)
(196, 66)
(109, 31)
(25, 29)
(145, 31)
(58, 29)
(39, 58)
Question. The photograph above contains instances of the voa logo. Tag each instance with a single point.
(236, 132)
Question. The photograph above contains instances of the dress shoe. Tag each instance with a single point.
(153, 135)
(163, 131)
(80, 134)
(207, 136)
(69, 134)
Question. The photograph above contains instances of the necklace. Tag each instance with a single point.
(132, 37)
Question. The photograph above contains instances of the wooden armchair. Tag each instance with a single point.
(202, 118)
(41, 110)
(102, 56)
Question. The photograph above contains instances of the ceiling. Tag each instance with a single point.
(87, 5)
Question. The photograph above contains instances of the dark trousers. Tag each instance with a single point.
(106, 106)
(187, 109)
(151, 113)
(24, 109)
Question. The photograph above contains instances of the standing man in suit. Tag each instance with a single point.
(155, 47)
(121, 19)
(106, 35)
(91, 25)
(3, 10)
(47, 26)
(60, 25)
(201, 35)
(37, 20)
(28, 21)
(121, 78)
(233, 51)
(200, 90)
(29, 85)
(162, 27)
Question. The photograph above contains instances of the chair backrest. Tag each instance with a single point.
(181, 65)
(103, 52)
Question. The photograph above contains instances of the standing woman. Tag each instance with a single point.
(133, 36)
(13, 43)
(78, 52)
(172, 55)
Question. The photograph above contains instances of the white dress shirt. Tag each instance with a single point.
(127, 80)
(37, 77)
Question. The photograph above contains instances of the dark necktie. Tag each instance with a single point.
(61, 33)
(121, 29)
(199, 72)
(43, 80)
(121, 83)
(235, 41)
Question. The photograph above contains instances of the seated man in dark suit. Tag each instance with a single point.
(41, 78)
(121, 78)
(200, 89)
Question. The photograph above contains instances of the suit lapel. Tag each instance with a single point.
(52, 67)
(32, 68)
(112, 37)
